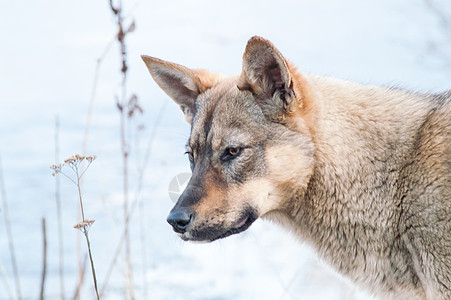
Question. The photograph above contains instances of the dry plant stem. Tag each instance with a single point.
(110, 268)
(6, 282)
(94, 93)
(143, 250)
(143, 232)
(85, 232)
(80, 199)
(148, 151)
(91, 105)
(136, 197)
(84, 228)
(74, 163)
(117, 11)
(85, 142)
(44, 260)
(10, 235)
(80, 284)
(129, 272)
(59, 213)
(116, 254)
(81, 267)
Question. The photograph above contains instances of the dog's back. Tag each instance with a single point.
(425, 201)
(379, 203)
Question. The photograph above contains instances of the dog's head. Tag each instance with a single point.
(250, 147)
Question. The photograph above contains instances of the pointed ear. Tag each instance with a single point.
(267, 75)
(183, 85)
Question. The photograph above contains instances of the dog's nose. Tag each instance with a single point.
(179, 220)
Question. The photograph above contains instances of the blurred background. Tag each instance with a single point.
(62, 92)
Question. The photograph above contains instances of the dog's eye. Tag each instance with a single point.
(231, 153)
(190, 156)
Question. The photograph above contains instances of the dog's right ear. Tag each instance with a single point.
(183, 85)
(268, 76)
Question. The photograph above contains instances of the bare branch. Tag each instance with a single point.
(12, 251)
(44, 260)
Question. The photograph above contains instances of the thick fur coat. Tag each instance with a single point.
(362, 173)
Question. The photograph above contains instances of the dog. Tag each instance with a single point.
(362, 173)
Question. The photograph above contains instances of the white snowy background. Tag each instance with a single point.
(48, 53)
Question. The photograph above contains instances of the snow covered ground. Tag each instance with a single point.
(47, 61)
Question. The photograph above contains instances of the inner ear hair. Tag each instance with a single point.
(264, 69)
(267, 75)
(180, 83)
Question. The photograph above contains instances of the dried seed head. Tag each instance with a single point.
(72, 159)
(85, 223)
(74, 162)
(56, 169)
(90, 158)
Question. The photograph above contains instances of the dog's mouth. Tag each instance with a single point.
(243, 223)
(210, 233)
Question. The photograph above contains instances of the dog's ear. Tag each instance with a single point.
(183, 85)
(267, 75)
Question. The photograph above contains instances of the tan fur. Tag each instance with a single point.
(259, 192)
(362, 173)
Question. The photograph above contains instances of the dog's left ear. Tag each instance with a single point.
(267, 75)
(180, 83)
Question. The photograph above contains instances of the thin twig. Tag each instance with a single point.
(85, 142)
(136, 197)
(91, 105)
(44, 260)
(12, 251)
(150, 142)
(122, 105)
(77, 293)
(85, 225)
(111, 266)
(74, 163)
(143, 239)
(94, 92)
(93, 270)
(81, 265)
(6, 282)
(138, 191)
(143, 232)
(59, 213)
(80, 199)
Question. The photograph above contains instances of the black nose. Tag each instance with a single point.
(179, 220)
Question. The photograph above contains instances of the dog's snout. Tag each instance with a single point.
(179, 220)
